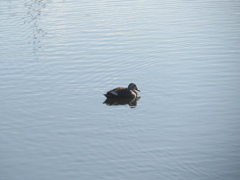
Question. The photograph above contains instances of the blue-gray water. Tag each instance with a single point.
(58, 57)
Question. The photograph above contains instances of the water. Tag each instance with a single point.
(59, 57)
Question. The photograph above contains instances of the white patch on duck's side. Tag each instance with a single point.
(114, 93)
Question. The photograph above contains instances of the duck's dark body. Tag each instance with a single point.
(122, 92)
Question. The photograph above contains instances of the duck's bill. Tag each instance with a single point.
(138, 90)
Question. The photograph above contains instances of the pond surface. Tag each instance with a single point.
(59, 57)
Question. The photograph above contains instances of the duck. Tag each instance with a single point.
(122, 92)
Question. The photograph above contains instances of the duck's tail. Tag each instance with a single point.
(108, 95)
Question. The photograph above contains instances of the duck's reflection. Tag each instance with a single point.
(121, 101)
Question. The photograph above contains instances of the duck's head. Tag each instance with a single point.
(133, 87)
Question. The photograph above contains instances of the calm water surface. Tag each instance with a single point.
(58, 57)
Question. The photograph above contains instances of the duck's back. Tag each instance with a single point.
(120, 92)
